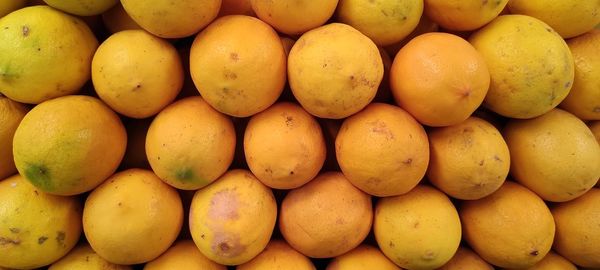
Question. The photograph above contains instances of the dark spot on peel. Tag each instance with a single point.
(416, 225)
(25, 30)
(60, 238)
(202, 236)
(288, 121)
(496, 158)
(534, 253)
(407, 161)
(234, 56)
(392, 244)
(568, 84)
(481, 162)
(291, 172)
(14, 230)
(9, 241)
(42, 239)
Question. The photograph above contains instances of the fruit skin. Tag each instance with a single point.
(190, 162)
(382, 150)
(463, 15)
(284, 146)
(439, 78)
(132, 218)
(294, 17)
(595, 128)
(136, 73)
(577, 234)
(11, 114)
(278, 255)
(34, 65)
(59, 142)
(326, 217)
(464, 259)
(384, 21)
(10, 6)
(469, 160)
(82, 7)
(572, 168)
(584, 98)
(511, 228)
(527, 80)
(183, 255)
(168, 19)
(334, 71)
(36, 228)
(83, 257)
(568, 18)
(362, 257)
(238, 65)
(231, 220)
(553, 261)
(417, 230)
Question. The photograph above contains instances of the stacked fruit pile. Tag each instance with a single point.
(337, 134)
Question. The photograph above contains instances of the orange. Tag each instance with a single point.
(238, 65)
(568, 18)
(511, 228)
(136, 73)
(360, 258)
(419, 229)
(527, 80)
(69, 145)
(553, 261)
(116, 19)
(203, 148)
(326, 217)
(278, 255)
(584, 98)
(334, 71)
(384, 21)
(231, 221)
(463, 15)
(577, 229)
(132, 218)
(183, 254)
(572, 168)
(35, 65)
(284, 146)
(464, 259)
(469, 160)
(439, 78)
(382, 150)
(294, 17)
(172, 19)
(11, 114)
(36, 228)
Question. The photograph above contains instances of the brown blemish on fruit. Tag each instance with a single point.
(42, 239)
(25, 30)
(534, 253)
(224, 206)
(60, 238)
(416, 225)
(392, 244)
(227, 245)
(481, 162)
(428, 255)
(408, 161)
(9, 241)
(496, 158)
(234, 56)
(14, 230)
(381, 128)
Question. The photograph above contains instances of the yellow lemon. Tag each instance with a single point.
(82, 7)
(132, 218)
(334, 71)
(36, 228)
(69, 145)
(136, 73)
(584, 98)
(294, 17)
(568, 18)
(231, 220)
(172, 19)
(34, 64)
(419, 229)
(527, 80)
(463, 15)
(384, 21)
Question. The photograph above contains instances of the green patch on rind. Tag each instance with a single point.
(39, 176)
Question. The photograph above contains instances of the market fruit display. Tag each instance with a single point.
(334, 134)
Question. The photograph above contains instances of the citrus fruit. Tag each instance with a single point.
(464, 259)
(82, 7)
(183, 254)
(463, 15)
(11, 114)
(362, 257)
(278, 255)
(83, 257)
